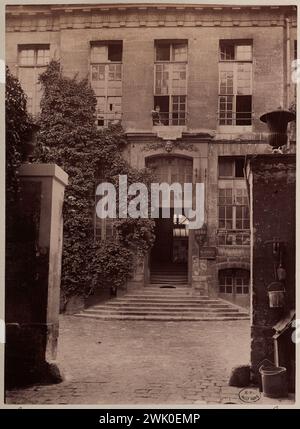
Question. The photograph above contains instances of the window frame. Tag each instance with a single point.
(232, 235)
(236, 43)
(228, 118)
(33, 47)
(33, 102)
(232, 273)
(107, 116)
(173, 116)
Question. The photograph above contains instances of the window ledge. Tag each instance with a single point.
(234, 129)
(169, 132)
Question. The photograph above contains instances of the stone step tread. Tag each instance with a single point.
(170, 300)
(167, 307)
(165, 286)
(173, 307)
(162, 309)
(165, 313)
(160, 318)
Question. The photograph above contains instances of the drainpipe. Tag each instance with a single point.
(288, 63)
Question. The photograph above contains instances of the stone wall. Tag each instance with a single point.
(33, 269)
(272, 180)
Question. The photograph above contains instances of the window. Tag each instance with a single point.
(235, 50)
(170, 83)
(233, 212)
(234, 281)
(32, 61)
(229, 167)
(235, 83)
(180, 225)
(106, 80)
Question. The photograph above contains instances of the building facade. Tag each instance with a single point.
(189, 84)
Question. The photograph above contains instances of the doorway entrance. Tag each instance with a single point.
(169, 254)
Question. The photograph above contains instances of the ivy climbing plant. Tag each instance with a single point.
(69, 137)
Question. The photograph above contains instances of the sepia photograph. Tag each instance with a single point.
(150, 205)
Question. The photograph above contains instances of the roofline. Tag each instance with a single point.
(142, 6)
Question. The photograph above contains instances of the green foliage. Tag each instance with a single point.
(68, 137)
(17, 130)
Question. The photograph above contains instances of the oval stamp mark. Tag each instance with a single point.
(249, 395)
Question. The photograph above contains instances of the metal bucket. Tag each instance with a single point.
(274, 381)
(276, 298)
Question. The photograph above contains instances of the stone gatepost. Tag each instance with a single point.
(33, 277)
(272, 184)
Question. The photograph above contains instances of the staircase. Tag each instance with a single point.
(176, 276)
(165, 303)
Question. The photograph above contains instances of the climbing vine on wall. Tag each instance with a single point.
(69, 137)
(18, 124)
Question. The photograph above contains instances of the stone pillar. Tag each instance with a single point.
(271, 180)
(138, 278)
(33, 277)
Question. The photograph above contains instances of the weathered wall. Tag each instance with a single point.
(33, 277)
(273, 215)
(69, 34)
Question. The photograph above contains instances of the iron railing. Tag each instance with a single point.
(226, 117)
(169, 118)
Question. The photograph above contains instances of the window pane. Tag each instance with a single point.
(162, 80)
(226, 82)
(163, 52)
(222, 212)
(244, 52)
(239, 168)
(179, 52)
(43, 57)
(221, 224)
(243, 109)
(114, 52)
(99, 54)
(244, 78)
(225, 167)
(27, 57)
(226, 50)
(225, 110)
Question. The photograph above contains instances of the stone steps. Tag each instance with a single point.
(156, 303)
(160, 317)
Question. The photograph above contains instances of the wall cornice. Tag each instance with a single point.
(56, 18)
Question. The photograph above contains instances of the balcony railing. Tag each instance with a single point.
(226, 117)
(233, 237)
(169, 118)
(107, 118)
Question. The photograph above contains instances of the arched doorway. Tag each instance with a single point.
(171, 248)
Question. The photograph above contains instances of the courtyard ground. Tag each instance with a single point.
(144, 362)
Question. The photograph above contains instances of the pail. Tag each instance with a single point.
(276, 298)
(274, 381)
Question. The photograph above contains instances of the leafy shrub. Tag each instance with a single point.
(68, 137)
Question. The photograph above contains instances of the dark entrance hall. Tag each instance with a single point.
(169, 255)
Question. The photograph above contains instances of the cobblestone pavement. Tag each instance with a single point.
(138, 362)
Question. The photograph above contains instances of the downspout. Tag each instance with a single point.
(288, 69)
(288, 63)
